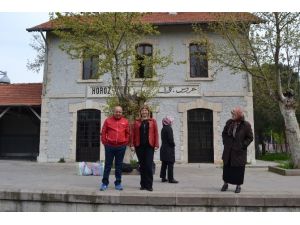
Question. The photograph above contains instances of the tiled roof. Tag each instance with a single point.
(174, 18)
(195, 17)
(20, 94)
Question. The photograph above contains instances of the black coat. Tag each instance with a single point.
(235, 148)
(167, 149)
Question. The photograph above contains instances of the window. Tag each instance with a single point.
(144, 69)
(198, 61)
(90, 68)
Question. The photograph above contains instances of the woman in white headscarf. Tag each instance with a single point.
(167, 151)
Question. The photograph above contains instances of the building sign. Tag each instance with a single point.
(98, 91)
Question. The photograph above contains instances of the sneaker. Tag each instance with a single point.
(119, 187)
(103, 187)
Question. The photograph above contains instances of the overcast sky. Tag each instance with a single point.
(14, 45)
(19, 15)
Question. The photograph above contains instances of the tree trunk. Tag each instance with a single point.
(292, 132)
(263, 148)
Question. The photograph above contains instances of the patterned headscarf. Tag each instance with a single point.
(239, 112)
(167, 120)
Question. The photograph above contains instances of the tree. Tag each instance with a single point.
(267, 116)
(39, 46)
(113, 38)
(272, 39)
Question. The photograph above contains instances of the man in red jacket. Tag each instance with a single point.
(115, 138)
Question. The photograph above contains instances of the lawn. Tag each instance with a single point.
(283, 159)
(275, 157)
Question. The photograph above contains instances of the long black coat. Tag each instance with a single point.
(167, 149)
(235, 148)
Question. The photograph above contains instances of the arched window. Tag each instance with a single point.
(198, 61)
(143, 57)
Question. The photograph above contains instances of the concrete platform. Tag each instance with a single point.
(31, 186)
(284, 172)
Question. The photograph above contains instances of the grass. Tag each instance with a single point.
(286, 164)
(283, 159)
(275, 157)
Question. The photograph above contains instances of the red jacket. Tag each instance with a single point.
(153, 133)
(115, 132)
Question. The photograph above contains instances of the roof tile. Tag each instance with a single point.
(20, 94)
(160, 18)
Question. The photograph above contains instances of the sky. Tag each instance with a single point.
(14, 45)
(17, 15)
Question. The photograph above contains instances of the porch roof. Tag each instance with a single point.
(27, 94)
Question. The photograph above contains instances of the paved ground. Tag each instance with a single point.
(193, 178)
(30, 186)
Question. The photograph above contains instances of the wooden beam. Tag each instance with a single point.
(5, 111)
(35, 113)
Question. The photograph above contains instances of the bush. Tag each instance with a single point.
(61, 160)
(134, 163)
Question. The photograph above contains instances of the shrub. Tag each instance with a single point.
(134, 163)
(62, 160)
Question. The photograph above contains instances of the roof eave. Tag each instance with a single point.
(18, 104)
(38, 29)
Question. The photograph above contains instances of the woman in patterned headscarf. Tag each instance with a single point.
(167, 150)
(237, 135)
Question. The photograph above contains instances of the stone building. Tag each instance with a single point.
(199, 100)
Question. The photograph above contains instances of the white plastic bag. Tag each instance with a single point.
(101, 168)
(96, 169)
(84, 169)
(80, 168)
(87, 170)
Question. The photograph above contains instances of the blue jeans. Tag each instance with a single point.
(112, 153)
